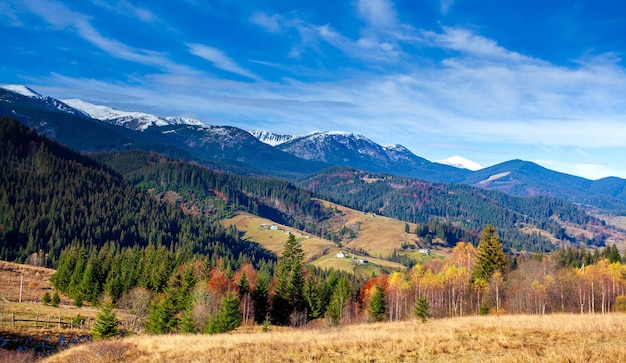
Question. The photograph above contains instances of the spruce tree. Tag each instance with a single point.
(56, 299)
(289, 290)
(422, 309)
(338, 300)
(162, 316)
(46, 299)
(259, 295)
(378, 306)
(228, 317)
(105, 325)
(490, 256)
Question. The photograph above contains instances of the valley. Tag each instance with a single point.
(189, 229)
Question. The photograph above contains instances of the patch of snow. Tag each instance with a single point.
(494, 177)
(23, 90)
(461, 163)
(271, 138)
(133, 120)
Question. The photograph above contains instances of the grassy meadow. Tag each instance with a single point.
(504, 338)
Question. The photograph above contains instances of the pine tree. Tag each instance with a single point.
(378, 306)
(162, 316)
(422, 309)
(46, 299)
(259, 295)
(56, 299)
(187, 324)
(105, 325)
(490, 256)
(338, 300)
(228, 317)
(289, 291)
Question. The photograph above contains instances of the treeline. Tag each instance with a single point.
(52, 198)
(165, 296)
(475, 281)
(170, 292)
(460, 207)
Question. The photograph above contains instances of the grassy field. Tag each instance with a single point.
(318, 251)
(378, 236)
(554, 338)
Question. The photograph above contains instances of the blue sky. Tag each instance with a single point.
(489, 80)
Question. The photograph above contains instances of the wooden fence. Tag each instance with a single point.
(42, 321)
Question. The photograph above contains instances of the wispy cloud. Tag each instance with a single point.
(445, 6)
(62, 18)
(270, 23)
(125, 8)
(220, 60)
(378, 14)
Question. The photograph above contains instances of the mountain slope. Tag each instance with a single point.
(523, 178)
(357, 151)
(52, 198)
(232, 149)
(226, 148)
(532, 223)
(132, 120)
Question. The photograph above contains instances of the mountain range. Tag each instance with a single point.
(91, 128)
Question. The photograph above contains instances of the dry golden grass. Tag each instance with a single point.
(554, 338)
(320, 252)
(36, 281)
(274, 241)
(378, 235)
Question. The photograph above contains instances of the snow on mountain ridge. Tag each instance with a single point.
(21, 89)
(271, 138)
(461, 163)
(133, 120)
(52, 102)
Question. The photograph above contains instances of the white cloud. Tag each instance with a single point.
(220, 60)
(445, 6)
(379, 14)
(62, 18)
(270, 23)
(125, 8)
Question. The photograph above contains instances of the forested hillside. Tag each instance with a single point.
(52, 198)
(460, 210)
(218, 194)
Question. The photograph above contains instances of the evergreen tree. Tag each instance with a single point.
(289, 292)
(78, 300)
(490, 256)
(228, 317)
(105, 325)
(259, 295)
(378, 306)
(56, 299)
(162, 316)
(338, 300)
(187, 324)
(243, 286)
(422, 309)
(46, 299)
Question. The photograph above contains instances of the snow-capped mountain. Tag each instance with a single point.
(461, 163)
(132, 120)
(52, 102)
(271, 138)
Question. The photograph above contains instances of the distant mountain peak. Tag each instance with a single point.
(271, 138)
(132, 120)
(461, 163)
(21, 89)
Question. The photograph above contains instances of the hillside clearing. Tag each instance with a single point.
(514, 338)
(319, 252)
